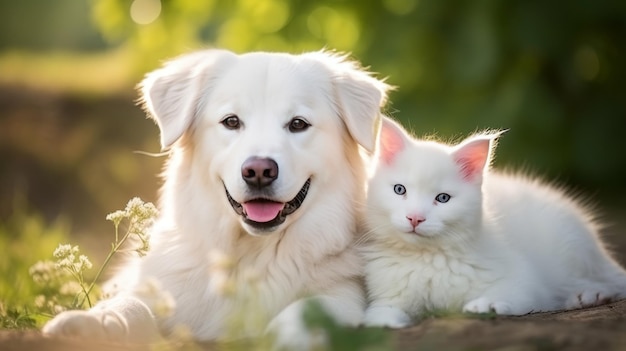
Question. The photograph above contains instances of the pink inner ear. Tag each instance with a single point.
(472, 158)
(391, 141)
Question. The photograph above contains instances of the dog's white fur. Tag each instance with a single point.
(309, 256)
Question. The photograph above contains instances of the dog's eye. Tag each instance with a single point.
(298, 125)
(231, 122)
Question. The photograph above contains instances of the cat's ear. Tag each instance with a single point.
(391, 141)
(473, 156)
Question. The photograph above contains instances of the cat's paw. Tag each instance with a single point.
(386, 316)
(484, 305)
(588, 298)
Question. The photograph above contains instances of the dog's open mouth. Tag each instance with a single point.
(264, 213)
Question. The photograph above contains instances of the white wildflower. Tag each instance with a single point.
(220, 261)
(58, 309)
(251, 276)
(64, 250)
(223, 285)
(70, 288)
(141, 211)
(162, 302)
(140, 216)
(116, 217)
(164, 305)
(220, 270)
(82, 264)
(43, 272)
(40, 301)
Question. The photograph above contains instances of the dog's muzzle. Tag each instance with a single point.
(265, 214)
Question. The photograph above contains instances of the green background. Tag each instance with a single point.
(553, 72)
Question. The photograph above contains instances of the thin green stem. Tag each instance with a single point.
(77, 276)
(81, 281)
(113, 251)
(82, 286)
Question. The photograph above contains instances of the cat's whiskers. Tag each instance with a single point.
(372, 232)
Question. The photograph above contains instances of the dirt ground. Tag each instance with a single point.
(597, 328)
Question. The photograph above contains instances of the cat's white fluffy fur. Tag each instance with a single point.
(505, 243)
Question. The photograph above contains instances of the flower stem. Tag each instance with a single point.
(113, 251)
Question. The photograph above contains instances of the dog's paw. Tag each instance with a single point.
(124, 319)
(484, 305)
(589, 298)
(94, 325)
(386, 316)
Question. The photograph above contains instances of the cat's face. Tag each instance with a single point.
(426, 190)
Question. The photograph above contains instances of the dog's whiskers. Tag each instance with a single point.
(152, 154)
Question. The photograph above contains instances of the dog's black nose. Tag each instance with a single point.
(259, 171)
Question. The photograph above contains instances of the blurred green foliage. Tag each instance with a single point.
(552, 72)
(26, 238)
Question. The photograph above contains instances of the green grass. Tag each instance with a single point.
(26, 239)
(44, 275)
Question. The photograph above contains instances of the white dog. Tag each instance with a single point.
(265, 174)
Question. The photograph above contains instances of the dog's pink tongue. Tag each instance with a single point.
(262, 211)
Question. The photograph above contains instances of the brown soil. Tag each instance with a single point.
(597, 328)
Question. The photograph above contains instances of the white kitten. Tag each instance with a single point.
(448, 234)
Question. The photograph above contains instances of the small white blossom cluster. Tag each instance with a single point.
(68, 258)
(162, 302)
(63, 279)
(140, 216)
(50, 304)
(54, 277)
(45, 273)
(242, 287)
(221, 269)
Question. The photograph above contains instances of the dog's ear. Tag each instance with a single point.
(173, 94)
(359, 97)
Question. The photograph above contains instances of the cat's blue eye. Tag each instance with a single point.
(399, 189)
(443, 198)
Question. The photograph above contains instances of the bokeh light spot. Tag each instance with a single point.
(269, 16)
(237, 35)
(145, 11)
(587, 63)
(339, 29)
(400, 7)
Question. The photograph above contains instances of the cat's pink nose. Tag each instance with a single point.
(415, 220)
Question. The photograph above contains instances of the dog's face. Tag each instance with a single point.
(269, 128)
